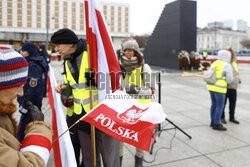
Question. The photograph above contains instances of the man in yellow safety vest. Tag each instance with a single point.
(74, 52)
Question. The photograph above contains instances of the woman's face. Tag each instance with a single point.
(129, 53)
(24, 53)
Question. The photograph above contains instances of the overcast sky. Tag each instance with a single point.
(144, 14)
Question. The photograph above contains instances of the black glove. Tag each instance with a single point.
(34, 113)
(90, 76)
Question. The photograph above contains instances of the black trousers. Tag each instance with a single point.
(232, 96)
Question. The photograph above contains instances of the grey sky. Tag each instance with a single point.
(144, 14)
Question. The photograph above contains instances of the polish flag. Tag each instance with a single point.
(103, 59)
(64, 154)
(126, 119)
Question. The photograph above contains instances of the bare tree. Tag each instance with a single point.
(141, 40)
(246, 43)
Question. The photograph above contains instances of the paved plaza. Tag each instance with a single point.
(186, 102)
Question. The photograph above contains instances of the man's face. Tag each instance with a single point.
(65, 50)
(8, 95)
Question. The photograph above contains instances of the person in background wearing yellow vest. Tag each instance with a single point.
(204, 55)
(74, 52)
(137, 81)
(232, 90)
(218, 90)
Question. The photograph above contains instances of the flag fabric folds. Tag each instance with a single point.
(103, 59)
(64, 155)
(126, 119)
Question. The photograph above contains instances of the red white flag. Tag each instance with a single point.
(103, 59)
(126, 119)
(64, 155)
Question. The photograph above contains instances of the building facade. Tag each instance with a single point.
(218, 38)
(25, 20)
(242, 25)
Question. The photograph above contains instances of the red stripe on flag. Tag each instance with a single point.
(114, 67)
(56, 148)
(121, 131)
(37, 140)
(91, 40)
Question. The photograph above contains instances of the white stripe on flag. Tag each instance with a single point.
(65, 145)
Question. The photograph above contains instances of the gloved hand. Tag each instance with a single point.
(132, 89)
(34, 113)
(90, 76)
(68, 102)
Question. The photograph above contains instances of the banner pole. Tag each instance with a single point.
(92, 127)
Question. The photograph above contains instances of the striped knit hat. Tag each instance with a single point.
(13, 69)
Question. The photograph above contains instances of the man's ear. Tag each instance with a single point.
(73, 45)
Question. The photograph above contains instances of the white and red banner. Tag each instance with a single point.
(126, 119)
(102, 55)
(64, 155)
(240, 59)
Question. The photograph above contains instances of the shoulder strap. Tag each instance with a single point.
(142, 76)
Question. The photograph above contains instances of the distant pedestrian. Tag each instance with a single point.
(204, 55)
(232, 90)
(33, 90)
(218, 90)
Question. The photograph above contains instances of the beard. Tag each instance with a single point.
(8, 108)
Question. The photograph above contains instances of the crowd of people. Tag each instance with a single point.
(24, 76)
(28, 84)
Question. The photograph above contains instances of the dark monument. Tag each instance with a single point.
(175, 31)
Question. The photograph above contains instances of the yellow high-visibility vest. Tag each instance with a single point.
(220, 85)
(80, 90)
(136, 79)
(204, 54)
(49, 52)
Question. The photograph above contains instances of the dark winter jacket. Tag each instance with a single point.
(33, 89)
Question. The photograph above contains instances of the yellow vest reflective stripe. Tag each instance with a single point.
(80, 90)
(136, 79)
(220, 85)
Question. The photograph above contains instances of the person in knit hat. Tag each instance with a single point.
(74, 52)
(138, 80)
(34, 89)
(34, 150)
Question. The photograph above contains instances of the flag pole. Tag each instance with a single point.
(92, 127)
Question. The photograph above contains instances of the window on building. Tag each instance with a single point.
(126, 19)
(29, 13)
(9, 13)
(81, 16)
(19, 14)
(73, 15)
(65, 14)
(38, 13)
(56, 17)
(1, 19)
